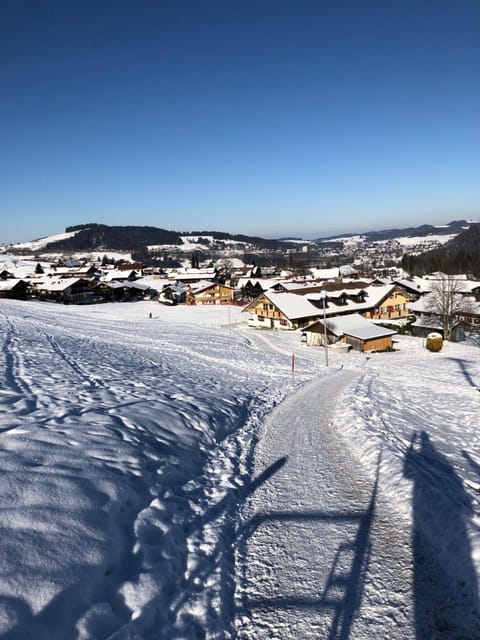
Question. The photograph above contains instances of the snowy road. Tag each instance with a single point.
(318, 553)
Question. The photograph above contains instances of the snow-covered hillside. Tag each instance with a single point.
(40, 243)
(133, 457)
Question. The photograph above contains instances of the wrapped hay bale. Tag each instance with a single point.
(434, 342)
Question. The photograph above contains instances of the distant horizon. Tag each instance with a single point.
(267, 236)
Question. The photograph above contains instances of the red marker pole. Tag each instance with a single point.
(293, 363)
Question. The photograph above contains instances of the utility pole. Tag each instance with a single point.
(324, 296)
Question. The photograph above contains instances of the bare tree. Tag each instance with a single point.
(448, 301)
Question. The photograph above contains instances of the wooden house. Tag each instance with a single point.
(273, 310)
(354, 330)
(74, 290)
(172, 294)
(210, 293)
(391, 305)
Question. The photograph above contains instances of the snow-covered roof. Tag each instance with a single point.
(73, 270)
(356, 326)
(9, 284)
(294, 285)
(116, 274)
(193, 274)
(113, 284)
(293, 306)
(347, 270)
(265, 283)
(203, 286)
(326, 274)
(141, 286)
(424, 304)
(374, 296)
(200, 286)
(58, 285)
(337, 293)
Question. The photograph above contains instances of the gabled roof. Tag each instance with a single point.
(265, 283)
(202, 285)
(354, 325)
(59, 285)
(424, 305)
(374, 296)
(178, 287)
(141, 286)
(208, 285)
(115, 274)
(113, 284)
(295, 306)
(10, 284)
(325, 274)
(291, 305)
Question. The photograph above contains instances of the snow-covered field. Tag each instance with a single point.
(129, 450)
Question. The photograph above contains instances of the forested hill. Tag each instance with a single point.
(459, 255)
(93, 237)
(423, 230)
(90, 237)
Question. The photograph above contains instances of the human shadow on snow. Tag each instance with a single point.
(444, 579)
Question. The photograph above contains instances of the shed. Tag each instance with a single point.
(352, 329)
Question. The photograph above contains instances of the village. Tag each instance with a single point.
(344, 307)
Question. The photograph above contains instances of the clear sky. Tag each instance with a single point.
(262, 117)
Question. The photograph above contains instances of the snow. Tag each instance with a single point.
(408, 241)
(169, 477)
(356, 325)
(196, 243)
(35, 245)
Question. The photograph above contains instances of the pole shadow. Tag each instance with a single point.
(444, 579)
(341, 595)
(463, 366)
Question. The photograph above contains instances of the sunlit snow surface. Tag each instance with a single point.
(128, 446)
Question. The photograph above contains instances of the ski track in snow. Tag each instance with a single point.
(152, 488)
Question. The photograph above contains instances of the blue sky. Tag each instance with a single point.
(269, 118)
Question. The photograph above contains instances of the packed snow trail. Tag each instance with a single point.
(318, 555)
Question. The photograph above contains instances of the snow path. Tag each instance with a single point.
(317, 553)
